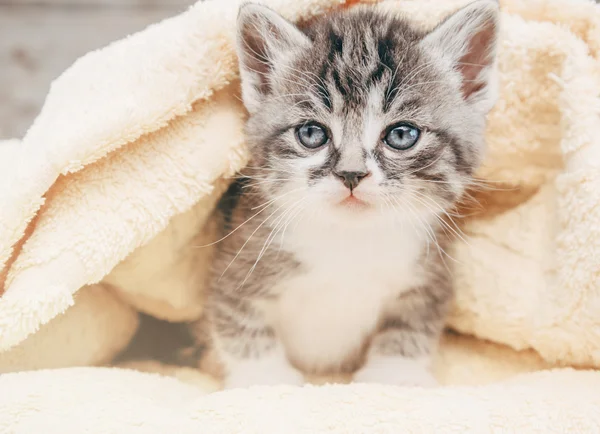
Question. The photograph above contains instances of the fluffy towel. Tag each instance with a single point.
(96, 328)
(116, 179)
(131, 403)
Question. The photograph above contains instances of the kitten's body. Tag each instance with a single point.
(324, 288)
(329, 309)
(335, 262)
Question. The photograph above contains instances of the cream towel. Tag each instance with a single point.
(91, 333)
(543, 144)
(135, 144)
(532, 274)
(122, 401)
(146, 403)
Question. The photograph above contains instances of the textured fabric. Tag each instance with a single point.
(147, 403)
(116, 179)
(530, 273)
(97, 328)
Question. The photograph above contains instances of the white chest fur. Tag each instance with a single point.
(348, 274)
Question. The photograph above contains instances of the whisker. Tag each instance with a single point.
(274, 231)
(249, 238)
(424, 200)
(270, 201)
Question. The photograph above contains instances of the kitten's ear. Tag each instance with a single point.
(264, 41)
(467, 40)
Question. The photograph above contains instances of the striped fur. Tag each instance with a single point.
(316, 277)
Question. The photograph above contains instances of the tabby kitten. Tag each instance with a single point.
(363, 131)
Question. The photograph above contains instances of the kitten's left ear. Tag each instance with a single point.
(467, 40)
(265, 40)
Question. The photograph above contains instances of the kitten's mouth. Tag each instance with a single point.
(352, 201)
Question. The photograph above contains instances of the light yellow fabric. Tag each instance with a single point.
(530, 274)
(122, 401)
(116, 179)
(92, 332)
(146, 403)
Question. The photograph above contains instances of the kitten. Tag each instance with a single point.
(363, 131)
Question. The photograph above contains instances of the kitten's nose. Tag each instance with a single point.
(351, 179)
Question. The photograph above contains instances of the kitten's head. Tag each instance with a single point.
(360, 110)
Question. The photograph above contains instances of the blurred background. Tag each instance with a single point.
(41, 38)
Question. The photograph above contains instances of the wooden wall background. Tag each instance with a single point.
(40, 38)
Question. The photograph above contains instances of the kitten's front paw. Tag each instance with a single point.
(262, 372)
(397, 371)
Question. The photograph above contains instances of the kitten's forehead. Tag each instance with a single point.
(356, 56)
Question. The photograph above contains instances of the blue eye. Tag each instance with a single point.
(311, 135)
(402, 137)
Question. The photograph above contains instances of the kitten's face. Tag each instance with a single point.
(359, 111)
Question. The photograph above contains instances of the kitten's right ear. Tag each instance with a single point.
(264, 41)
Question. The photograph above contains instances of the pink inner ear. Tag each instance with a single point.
(477, 58)
(255, 56)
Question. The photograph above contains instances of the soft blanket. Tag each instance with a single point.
(104, 203)
(131, 403)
